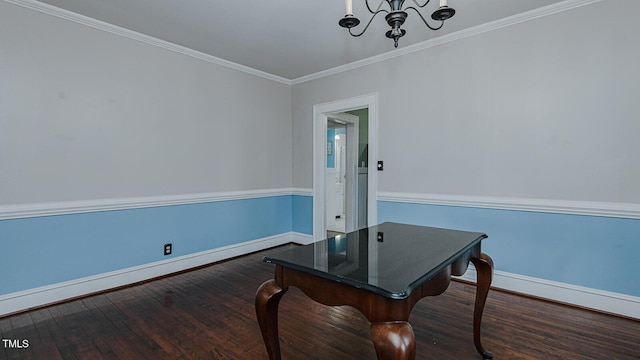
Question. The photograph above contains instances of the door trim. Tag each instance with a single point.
(321, 112)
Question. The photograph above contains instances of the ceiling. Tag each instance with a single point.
(286, 38)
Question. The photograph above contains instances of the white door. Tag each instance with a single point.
(341, 196)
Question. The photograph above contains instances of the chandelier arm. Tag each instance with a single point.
(369, 23)
(421, 6)
(425, 20)
(379, 6)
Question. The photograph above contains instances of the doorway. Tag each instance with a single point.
(341, 174)
(356, 200)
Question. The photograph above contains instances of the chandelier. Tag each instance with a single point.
(396, 15)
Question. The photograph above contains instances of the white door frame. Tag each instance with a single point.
(321, 112)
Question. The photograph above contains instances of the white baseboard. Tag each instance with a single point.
(600, 300)
(302, 239)
(614, 303)
(49, 294)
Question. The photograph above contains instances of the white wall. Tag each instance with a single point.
(545, 109)
(86, 114)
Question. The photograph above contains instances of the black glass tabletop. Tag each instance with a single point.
(390, 259)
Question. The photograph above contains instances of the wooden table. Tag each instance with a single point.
(382, 271)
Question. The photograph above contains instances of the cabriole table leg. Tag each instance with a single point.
(484, 269)
(394, 340)
(267, 299)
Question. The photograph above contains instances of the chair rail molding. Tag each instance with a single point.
(592, 208)
(19, 211)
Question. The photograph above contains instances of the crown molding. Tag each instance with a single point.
(20, 211)
(104, 26)
(591, 208)
(101, 25)
(458, 35)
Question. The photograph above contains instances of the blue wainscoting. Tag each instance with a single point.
(302, 214)
(590, 251)
(47, 250)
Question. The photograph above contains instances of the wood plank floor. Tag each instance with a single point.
(209, 314)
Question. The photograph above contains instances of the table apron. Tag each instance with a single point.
(375, 307)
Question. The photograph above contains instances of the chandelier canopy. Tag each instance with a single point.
(396, 15)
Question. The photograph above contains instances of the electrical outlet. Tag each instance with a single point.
(167, 249)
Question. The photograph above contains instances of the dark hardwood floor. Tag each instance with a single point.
(209, 314)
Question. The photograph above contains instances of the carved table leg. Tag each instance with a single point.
(267, 300)
(484, 268)
(394, 340)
